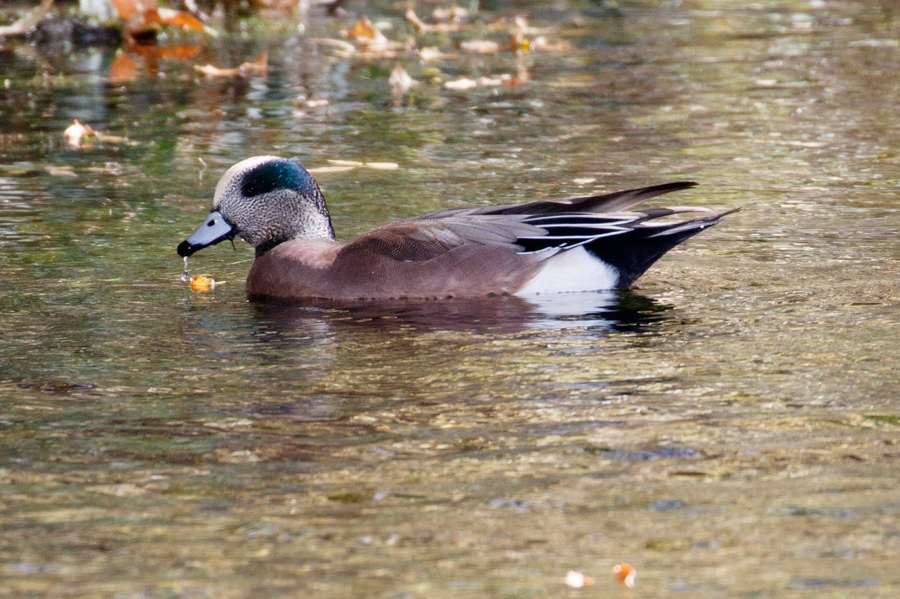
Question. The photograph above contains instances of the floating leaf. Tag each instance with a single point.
(76, 133)
(28, 21)
(481, 46)
(577, 580)
(383, 166)
(124, 69)
(400, 81)
(624, 574)
(454, 13)
(429, 54)
(367, 35)
(177, 18)
(142, 16)
(423, 27)
(329, 169)
(257, 67)
(460, 84)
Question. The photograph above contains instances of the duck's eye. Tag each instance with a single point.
(250, 190)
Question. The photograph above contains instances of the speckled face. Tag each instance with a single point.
(265, 200)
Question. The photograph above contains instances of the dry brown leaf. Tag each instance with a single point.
(344, 48)
(29, 20)
(353, 163)
(429, 54)
(129, 8)
(257, 67)
(541, 44)
(367, 35)
(481, 46)
(423, 27)
(454, 13)
(329, 169)
(60, 171)
(400, 81)
(123, 69)
(142, 16)
(177, 18)
(76, 133)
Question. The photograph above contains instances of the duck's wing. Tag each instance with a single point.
(421, 239)
(415, 240)
(618, 201)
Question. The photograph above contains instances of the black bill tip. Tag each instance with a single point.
(185, 248)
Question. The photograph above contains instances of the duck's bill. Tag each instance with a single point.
(213, 230)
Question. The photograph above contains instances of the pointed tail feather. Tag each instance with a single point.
(634, 252)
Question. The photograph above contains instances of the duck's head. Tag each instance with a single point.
(265, 200)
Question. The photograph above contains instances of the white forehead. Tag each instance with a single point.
(227, 183)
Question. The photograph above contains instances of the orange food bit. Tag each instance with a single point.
(624, 574)
(203, 283)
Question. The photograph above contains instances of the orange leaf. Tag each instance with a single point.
(624, 574)
(168, 16)
(125, 8)
(124, 69)
(257, 67)
(366, 34)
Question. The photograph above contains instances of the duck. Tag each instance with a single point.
(573, 244)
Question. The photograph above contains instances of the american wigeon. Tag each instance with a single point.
(573, 244)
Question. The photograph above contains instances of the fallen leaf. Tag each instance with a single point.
(584, 181)
(541, 44)
(76, 132)
(123, 69)
(454, 13)
(624, 574)
(329, 169)
(344, 48)
(383, 166)
(129, 8)
(28, 20)
(316, 103)
(429, 54)
(423, 27)
(460, 84)
(367, 35)
(257, 67)
(577, 580)
(60, 171)
(504, 79)
(400, 81)
(481, 46)
(143, 16)
(177, 18)
(352, 163)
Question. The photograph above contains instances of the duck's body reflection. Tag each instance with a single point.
(608, 310)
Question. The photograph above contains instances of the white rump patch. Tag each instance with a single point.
(570, 271)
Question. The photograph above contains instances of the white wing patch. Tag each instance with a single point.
(571, 271)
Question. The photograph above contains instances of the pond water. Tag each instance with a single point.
(729, 427)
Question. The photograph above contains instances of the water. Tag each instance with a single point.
(729, 427)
